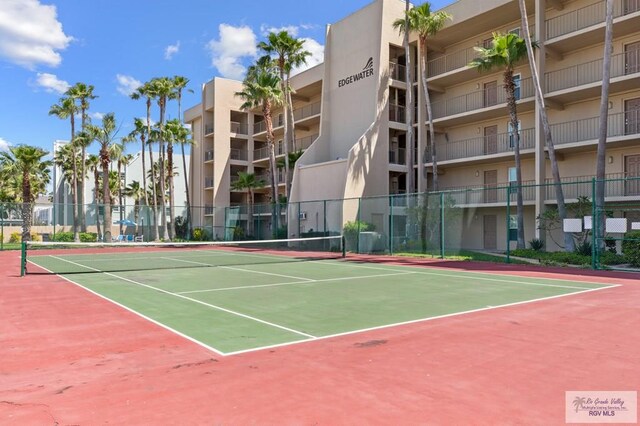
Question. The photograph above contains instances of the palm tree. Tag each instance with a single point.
(138, 193)
(163, 88)
(93, 165)
(67, 109)
(602, 137)
(179, 84)
(425, 23)
(83, 93)
(250, 182)
(555, 169)
(262, 90)
(286, 50)
(27, 164)
(505, 52)
(105, 135)
(178, 134)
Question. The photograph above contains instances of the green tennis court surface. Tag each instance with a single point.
(233, 302)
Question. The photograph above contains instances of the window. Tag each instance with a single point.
(487, 43)
(513, 227)
(513, 178)
(515, 31)
(517, 80)
(512, 139)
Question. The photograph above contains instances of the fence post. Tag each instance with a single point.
(391, 224)
(299, 219)
(324, 218)
(442, 225)
(508, 221)
(1, 226)
(358, 222)
(23, 259)
(594, 226)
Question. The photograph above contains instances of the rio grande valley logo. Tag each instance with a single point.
(601, 406)
(366, 72)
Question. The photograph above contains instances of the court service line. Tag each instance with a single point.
(473, 277)
(141, 315)
(421, 320)
(238, 269)
(293, 282)
(229, 311)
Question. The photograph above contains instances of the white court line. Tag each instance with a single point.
(191, 300)
(239, 269)
(294, 282)
(471, 277)
(398, 324)
(166, 327)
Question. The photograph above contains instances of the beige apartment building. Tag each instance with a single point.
(350, 118)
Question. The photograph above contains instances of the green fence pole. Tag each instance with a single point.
(358, 221)
(1, 226)
(299, 219)
(391, 224)
(324, 218)
(23, 259)
(344, 246)
(594, 226)
(442, 225)
(508, 221)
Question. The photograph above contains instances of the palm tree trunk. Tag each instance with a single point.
(186, 189)
(171, 191)
(266, 111)
(106, 193)
(97, 201)
(83, 172)
(74, 184)
(409, 105)
(287, 130)
(154, 201)
(603, 125)
(250, 221)
(427, 100)
(292, 119)
(163, 176)
(120, 196)
(544, 117)
(510, 87)
(26, 206)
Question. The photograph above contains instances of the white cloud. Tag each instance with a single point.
(171, 50)
(127, 84)
(30, 33)
(4, 145)
(291, 29)
(51, 83)
(234, 44)
(316, 57)
(96, 115)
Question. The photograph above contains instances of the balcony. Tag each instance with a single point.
(451, 62)
(398, 156)
(266, 178)
(482, 146)
(238, 154)
(259, 127)
(621, 127)
(585, 26)
(481, 104)
(301, 144)
(209, 210)
(397, 113)
(299, 114)
(239, 128)
(208, 182)
(397, 72)
(490, 194)
(617, 185)
(625, 75)
(208, 156)
(208, 129)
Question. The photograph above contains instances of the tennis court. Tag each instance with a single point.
(234, 299)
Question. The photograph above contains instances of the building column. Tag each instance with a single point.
(540, 155)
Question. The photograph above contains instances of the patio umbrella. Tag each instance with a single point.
(126, 222)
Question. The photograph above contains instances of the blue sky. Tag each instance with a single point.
(45, 45)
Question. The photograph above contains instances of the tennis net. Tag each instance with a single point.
(83, 258)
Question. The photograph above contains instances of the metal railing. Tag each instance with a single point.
(239, 128)
(307, 111)
(587, 16)
(208, 129)
(208, 156)
(301, 144)
(591, 72)
(208, 182)
(482, 145)
(260, 126)
(238, 154)
(480, 99)
(397, 71)
(490, 193)
(616, 185)
(266, 177)
(397, 113)
(209, 209)
(588, 129)
(398, 156)
(451, 62)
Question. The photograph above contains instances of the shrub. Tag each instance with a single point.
(199, 234)
(238, 233)
(67, 237)
(609, 258)
(182, 227)
(536, 244)
(351, 230)
(584, 248)
(15, 237)
(631, 248)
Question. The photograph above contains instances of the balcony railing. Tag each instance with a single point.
(588, 129)
(491, 193)
(398, 156)
(306, 111)
(479, 99)
(397, 113)
(239, 128)
(398, 199)
(238, 154)
(208, 129)
(397, 71)
(208, 156)
(208, 182)
(591, 72)
(587, 16)
(208, 209)
(260, 126)
(451, 62)
(266, 177)
(482, 145)
(301, 144)
(616, 185)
